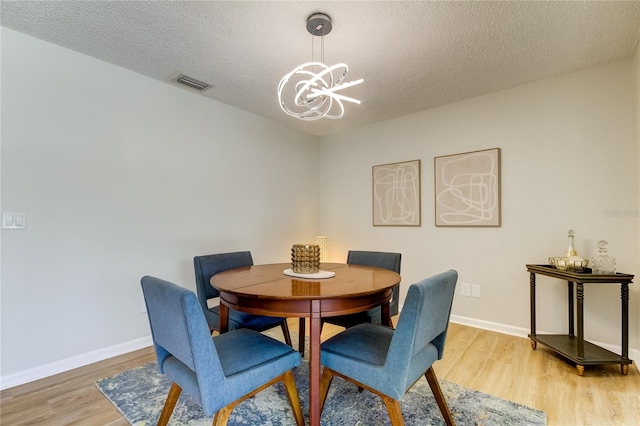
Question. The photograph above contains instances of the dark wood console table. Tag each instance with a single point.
(572, 345)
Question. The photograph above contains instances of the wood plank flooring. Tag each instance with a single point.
(494, 363)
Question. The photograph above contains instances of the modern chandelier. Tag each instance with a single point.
(310, 91)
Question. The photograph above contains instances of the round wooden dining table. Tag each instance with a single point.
(266, 290)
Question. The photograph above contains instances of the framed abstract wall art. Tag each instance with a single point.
(396, 194)
(467, 189)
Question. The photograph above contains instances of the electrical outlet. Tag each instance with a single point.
(475, 290)
(465, 289)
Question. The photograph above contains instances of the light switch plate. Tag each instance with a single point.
(14, 220)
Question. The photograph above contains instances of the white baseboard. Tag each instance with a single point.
(491, 326)
(634, 353)
(40, 372)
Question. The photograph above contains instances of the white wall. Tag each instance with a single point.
(121, 176)
(570, 160)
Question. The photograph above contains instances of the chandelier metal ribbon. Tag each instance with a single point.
(314, 86)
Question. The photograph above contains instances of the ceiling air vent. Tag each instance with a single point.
(192, 82)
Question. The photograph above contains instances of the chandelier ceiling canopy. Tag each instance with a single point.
(311, 90)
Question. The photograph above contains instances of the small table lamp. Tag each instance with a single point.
(323, 243)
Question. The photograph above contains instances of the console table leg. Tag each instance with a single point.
(625, 369)
(570, 308)
(580, 300)
(534, 345)
(580, 369)
(624, 297)
(532, 301)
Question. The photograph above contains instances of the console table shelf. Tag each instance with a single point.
(572, 346)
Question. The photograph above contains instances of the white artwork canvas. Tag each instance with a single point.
(396, 194)
(467, 189)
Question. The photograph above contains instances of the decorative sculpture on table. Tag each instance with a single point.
(305, 258)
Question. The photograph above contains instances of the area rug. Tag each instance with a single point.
(140, 393)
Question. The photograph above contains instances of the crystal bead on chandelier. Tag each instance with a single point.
(314, 86)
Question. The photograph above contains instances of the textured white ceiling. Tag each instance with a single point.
(412, 55)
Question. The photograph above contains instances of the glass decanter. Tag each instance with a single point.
(571, 250)
(602, 264)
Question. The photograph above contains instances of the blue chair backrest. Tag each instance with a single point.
(179, 329)
(380, 259)
(424, 320)
(207, 266)
(390, 261)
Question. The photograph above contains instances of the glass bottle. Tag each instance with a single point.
(571, 250)
(602, 264)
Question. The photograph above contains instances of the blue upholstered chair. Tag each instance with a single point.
(207, 266)
(388, 362)
(390, 261)
(219, 372)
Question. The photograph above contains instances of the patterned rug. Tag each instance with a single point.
(140, 393)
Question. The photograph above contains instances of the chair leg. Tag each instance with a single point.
(393, 406)
(169, 404)
(437, 392)
(301, 336)
(285, 332)
(292, 394)
(325, 382)
(394, 410)
(222, 416)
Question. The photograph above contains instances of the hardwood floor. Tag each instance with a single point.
(506, 367)
(494, 363)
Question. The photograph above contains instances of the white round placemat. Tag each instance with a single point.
(315, 275)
